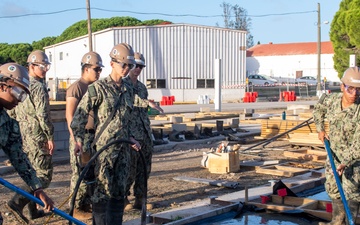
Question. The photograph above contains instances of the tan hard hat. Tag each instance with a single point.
(16, 73)
(123, 53)
(139, 58)
(38, 57)
(92, 58)
(351, 77)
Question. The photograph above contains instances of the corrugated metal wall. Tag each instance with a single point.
(183, 53)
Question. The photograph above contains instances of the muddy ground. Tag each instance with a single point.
(164, 192)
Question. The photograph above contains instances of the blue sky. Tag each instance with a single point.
(295, 26)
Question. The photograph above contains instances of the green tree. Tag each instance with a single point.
(4, 53)
(345, 34)
(46, 41)
(14, 53)
(20, 52)
(241, 21)
(154, 22)
(80, 28)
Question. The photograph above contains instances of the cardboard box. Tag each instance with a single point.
(223, 162)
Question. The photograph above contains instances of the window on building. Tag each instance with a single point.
(205, 83)
(50, 58)
(210, 83)
(61, 56)
(200, 83)
(155, 83)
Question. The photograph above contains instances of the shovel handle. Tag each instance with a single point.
(338, 183)
(38, 201)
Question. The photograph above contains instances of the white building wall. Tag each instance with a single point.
(186, 51)
(70, 66)
(179, 53)
(287, 65)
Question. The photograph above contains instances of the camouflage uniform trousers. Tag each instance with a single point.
(40, 159)
(137, 175)
(112, 172)
(83, 196)
(350, 181)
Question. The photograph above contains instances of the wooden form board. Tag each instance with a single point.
(277, 203)
(288, 169)
(306, 154)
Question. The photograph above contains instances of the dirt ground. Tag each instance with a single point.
(163, 191)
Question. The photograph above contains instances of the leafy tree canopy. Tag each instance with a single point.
(14, 53)
(345, 34)
(80, 28)
(19, 52)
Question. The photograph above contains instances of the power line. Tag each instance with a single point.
(40, 14)
(143, 13)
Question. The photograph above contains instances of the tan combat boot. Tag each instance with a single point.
(127, 205)
(81, 214)
(338, 213)
(138, 204)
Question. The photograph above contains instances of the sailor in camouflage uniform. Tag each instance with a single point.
(14, 88)
(342, 111)
(91, 67)
(141, 130)
(37, 130)
(112, 166)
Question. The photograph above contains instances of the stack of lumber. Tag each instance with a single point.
(307, 134)
(310, 138)
(188, 121)
(306, 154)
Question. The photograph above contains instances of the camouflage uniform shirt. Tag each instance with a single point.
(11, 144)
(344, 135)
(140, 122)
(34, 114)
(112, 166)
(36, 129)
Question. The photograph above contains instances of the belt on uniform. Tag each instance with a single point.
(89, 131)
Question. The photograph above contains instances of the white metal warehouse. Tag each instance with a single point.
(179, 57)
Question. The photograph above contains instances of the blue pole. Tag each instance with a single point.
(338, 183)
(38, 201)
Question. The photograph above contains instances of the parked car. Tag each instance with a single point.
(284, 80)
(260, 80)
(309, 80)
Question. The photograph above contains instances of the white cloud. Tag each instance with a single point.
(12, 9)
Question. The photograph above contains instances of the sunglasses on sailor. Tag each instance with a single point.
(97, 69)
(124, 65)
(351, 89)
(139, 66)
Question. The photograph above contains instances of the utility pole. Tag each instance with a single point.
(318, 87)
(89, 24)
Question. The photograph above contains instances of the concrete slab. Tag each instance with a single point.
(296, 184)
